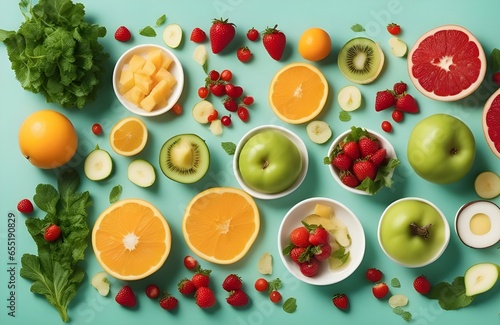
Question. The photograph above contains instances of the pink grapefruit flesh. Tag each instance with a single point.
(491, 122)
(447, 63)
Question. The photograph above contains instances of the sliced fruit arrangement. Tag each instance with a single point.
(128, 136)
(361, 60)
(491, 121)
(447, 63)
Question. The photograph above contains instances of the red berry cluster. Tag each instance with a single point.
(271, 287)
(198, 285)
(309, 245)
(237, 295)
(165, 299)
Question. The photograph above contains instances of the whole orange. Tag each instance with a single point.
(47, 139)
(314, 44)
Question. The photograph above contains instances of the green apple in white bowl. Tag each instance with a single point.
(441, 149)
(270, 162)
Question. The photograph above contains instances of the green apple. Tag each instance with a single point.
(413, 232)
(269, 162)
(441, 149)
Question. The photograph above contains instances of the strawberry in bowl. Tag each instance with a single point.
(362, 161)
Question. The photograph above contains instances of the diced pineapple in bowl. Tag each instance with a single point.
(148, 79)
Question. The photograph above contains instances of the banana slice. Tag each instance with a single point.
(487, 185)
(398, 47)
(216, 127)
(202, 110)
(319, 131)
(200, 54)
(172, 35)
(349, 98)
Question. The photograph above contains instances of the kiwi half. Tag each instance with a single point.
(361, 60)
(184, 158)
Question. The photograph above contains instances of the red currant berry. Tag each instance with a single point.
(248, 100)
(203, 92)
(226, 120)
(243, 113)
(214, 75)
(226, 75)
(387, 126)
(97, 129)
(212, 116)
(397, 115)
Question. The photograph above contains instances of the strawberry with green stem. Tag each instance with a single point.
(274, 42)
(221, 33)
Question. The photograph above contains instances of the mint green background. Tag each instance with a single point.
(19, 178)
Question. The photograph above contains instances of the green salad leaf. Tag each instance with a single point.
(55, 271)
(55, 52)
(451, 296)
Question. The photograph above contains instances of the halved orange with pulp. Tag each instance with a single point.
(128, 136)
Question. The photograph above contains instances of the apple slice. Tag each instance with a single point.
(398, 300)
(318, 131)
(216, 127)
(398, 47)
(487, 185)
(98, 165)
(141, 173)
(265, 264)
(202, 110)
(349, 98)
(101, 283)
(200, 55)
(172, 35)
(480, 278)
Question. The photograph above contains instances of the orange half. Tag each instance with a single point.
(221, 224)
(129, 136)
(131, 239)
(298, 92)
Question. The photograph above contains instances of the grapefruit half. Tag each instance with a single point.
(491, 122)
(447, 63)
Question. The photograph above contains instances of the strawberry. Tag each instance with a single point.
(201, 278)
(340, 301)
(347, 178)
(393, 29)
(237, 298)
(397, 115)
(232, 282)
(126, 297)
(274, 42)
(351, 149)
(198, 35)
(152, 291)
(367, 146)
(252, 34)
(384, 99)
(217, 89)
(399, 88)
(168, 302)
(230, 104)
(374, 275)
(221, 34)
(190, 262)
(233, 91)
(299, 254)
(244, 54)
(186, 287)
(380, 290)
(363, 169)
(342, 161)
(318, 235)
(422, 285)
(205, 297)
(25, 206)
(52, 233)
(122, 34)
(378, 157)
(322, 252)
(309, 268)
(300, 237)
(407, 103)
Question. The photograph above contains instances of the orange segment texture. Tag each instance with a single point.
(129, 136)
(131, 239)
(221, 224)
(298, 93)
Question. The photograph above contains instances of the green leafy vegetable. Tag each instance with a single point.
(344, 116)
(406, 315)
(357, 28)
(56, 53)
(451, 296)
(395, 283)
(115, 194)
(147, 31)
(290, 305)
(229, 147)
(55, 272)
(161, 20)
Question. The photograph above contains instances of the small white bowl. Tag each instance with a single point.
(290, 135)
(437, 254)
(175, 68)
(391, 153)
(325, 275)
(464, 224)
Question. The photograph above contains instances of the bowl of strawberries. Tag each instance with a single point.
(362, 161)
(321, 241)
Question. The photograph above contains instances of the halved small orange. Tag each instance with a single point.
(298, 92)
(221, 224)
(131, 239)
(129, 136)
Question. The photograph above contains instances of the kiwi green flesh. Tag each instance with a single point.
(361, 60)
(185, 174)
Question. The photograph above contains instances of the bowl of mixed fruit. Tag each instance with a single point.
(362, 161)
(321, 241)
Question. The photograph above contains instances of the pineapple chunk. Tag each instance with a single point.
(167, 61)
(323, 210)
(161, 91)
(143, 82)
(148, 69)
(148, 103)
(136, 63)
(126, 81)
(156, 57)
(134, 95)
(164, 74)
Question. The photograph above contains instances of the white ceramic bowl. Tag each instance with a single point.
(391, 153)
(325, 275)
(464, 223)
(290, 135)
(437, 254)
(175, 68)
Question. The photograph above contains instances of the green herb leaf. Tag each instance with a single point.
(290, 305)
(357, 28)
(451, 296)
(344, 116)
(115, 194)
(398, 310)
(274, 285)
(161, 20)
(229, 147)
(147, 31)
(395, 283)
(495, 60)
